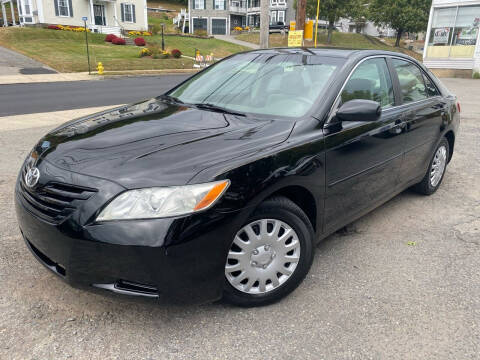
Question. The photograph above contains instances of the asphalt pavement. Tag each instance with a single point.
(401, 283)
(19, 99)
(12, 62)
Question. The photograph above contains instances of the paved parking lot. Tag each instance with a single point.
(369, 294)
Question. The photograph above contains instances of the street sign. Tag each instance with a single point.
(84, 18)
(295, 38)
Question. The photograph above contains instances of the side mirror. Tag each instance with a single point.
(359, 110)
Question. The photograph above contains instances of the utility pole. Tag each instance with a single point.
(86, 42)
(300, 18)
(264, 23)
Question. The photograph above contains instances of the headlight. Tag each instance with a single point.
(163, 201)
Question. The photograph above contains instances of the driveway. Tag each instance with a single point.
(403, 282)
(12, 63)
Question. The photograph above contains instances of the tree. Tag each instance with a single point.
(401, 15)
(300, 6)
(332, 10)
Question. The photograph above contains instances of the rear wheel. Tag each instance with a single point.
(270, 255)
(436, 170)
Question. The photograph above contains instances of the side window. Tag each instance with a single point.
(412, 85)
(431, 88)
(370, 81)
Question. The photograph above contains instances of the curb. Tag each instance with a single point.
(69, 77)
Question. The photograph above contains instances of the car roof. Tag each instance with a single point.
(331, 52)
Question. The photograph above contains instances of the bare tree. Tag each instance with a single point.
(264, 23)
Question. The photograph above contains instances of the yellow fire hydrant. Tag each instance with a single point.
(100, 68)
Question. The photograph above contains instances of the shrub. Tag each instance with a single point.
(156, 29)
(145, 52)
(200, 32)
(176, 53)
(118, 41)
(54, 27)
(139, 41)
(476, 75)
(110, 37)
(237, 28)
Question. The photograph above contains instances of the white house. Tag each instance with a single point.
(452, 41)
(105, 16)
(366, 27)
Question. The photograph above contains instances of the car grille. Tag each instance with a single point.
(54, 201)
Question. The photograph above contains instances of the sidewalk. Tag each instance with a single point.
(39, 78)
(232, 40)
(82, 76)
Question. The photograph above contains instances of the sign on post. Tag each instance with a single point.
(295, 38)
(84, 18)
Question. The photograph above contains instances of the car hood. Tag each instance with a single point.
(155, 143)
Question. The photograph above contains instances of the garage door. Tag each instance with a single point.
(200, 24)
(219, 26)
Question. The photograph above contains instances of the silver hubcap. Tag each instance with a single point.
(438, 166)
(263, 255)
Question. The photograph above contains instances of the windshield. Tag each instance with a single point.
(268, 84)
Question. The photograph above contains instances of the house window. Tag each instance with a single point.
(27, 7)
(273, 17)
(454, 32)
(199, 4)
(281, 16)
(273, 2)
(128, 13)
(63, 8)
(219, 4)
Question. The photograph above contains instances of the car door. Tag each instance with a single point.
(363, 159)
(424, 111)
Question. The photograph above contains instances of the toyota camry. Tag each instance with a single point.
(222, 186)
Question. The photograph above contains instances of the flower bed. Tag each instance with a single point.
(139, 33)
(67, 28)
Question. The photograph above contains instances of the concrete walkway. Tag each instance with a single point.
(13, 63)
(232, 40)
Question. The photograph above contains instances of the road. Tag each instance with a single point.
(45, 97)
(401, 283)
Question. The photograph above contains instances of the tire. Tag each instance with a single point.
(427, 186)
(287, 227)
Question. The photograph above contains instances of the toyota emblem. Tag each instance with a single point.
(32, 176)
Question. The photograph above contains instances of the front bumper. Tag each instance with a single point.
(177, 259)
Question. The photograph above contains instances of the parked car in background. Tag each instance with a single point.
(279, 26)
(223, 186)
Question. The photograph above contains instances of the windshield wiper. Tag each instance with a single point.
(170, 98)
(208, 106)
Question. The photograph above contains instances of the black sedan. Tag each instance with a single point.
(222, 186)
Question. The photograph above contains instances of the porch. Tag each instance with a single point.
(104, 17)
(8, 14)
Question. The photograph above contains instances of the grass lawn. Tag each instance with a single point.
(343, 40)
(65, 50)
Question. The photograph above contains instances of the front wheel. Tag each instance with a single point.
(270, 255)
(436, 170)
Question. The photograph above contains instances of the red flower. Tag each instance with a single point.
(139, 41)
(176, 53)
(118, 41)
(110, 37)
